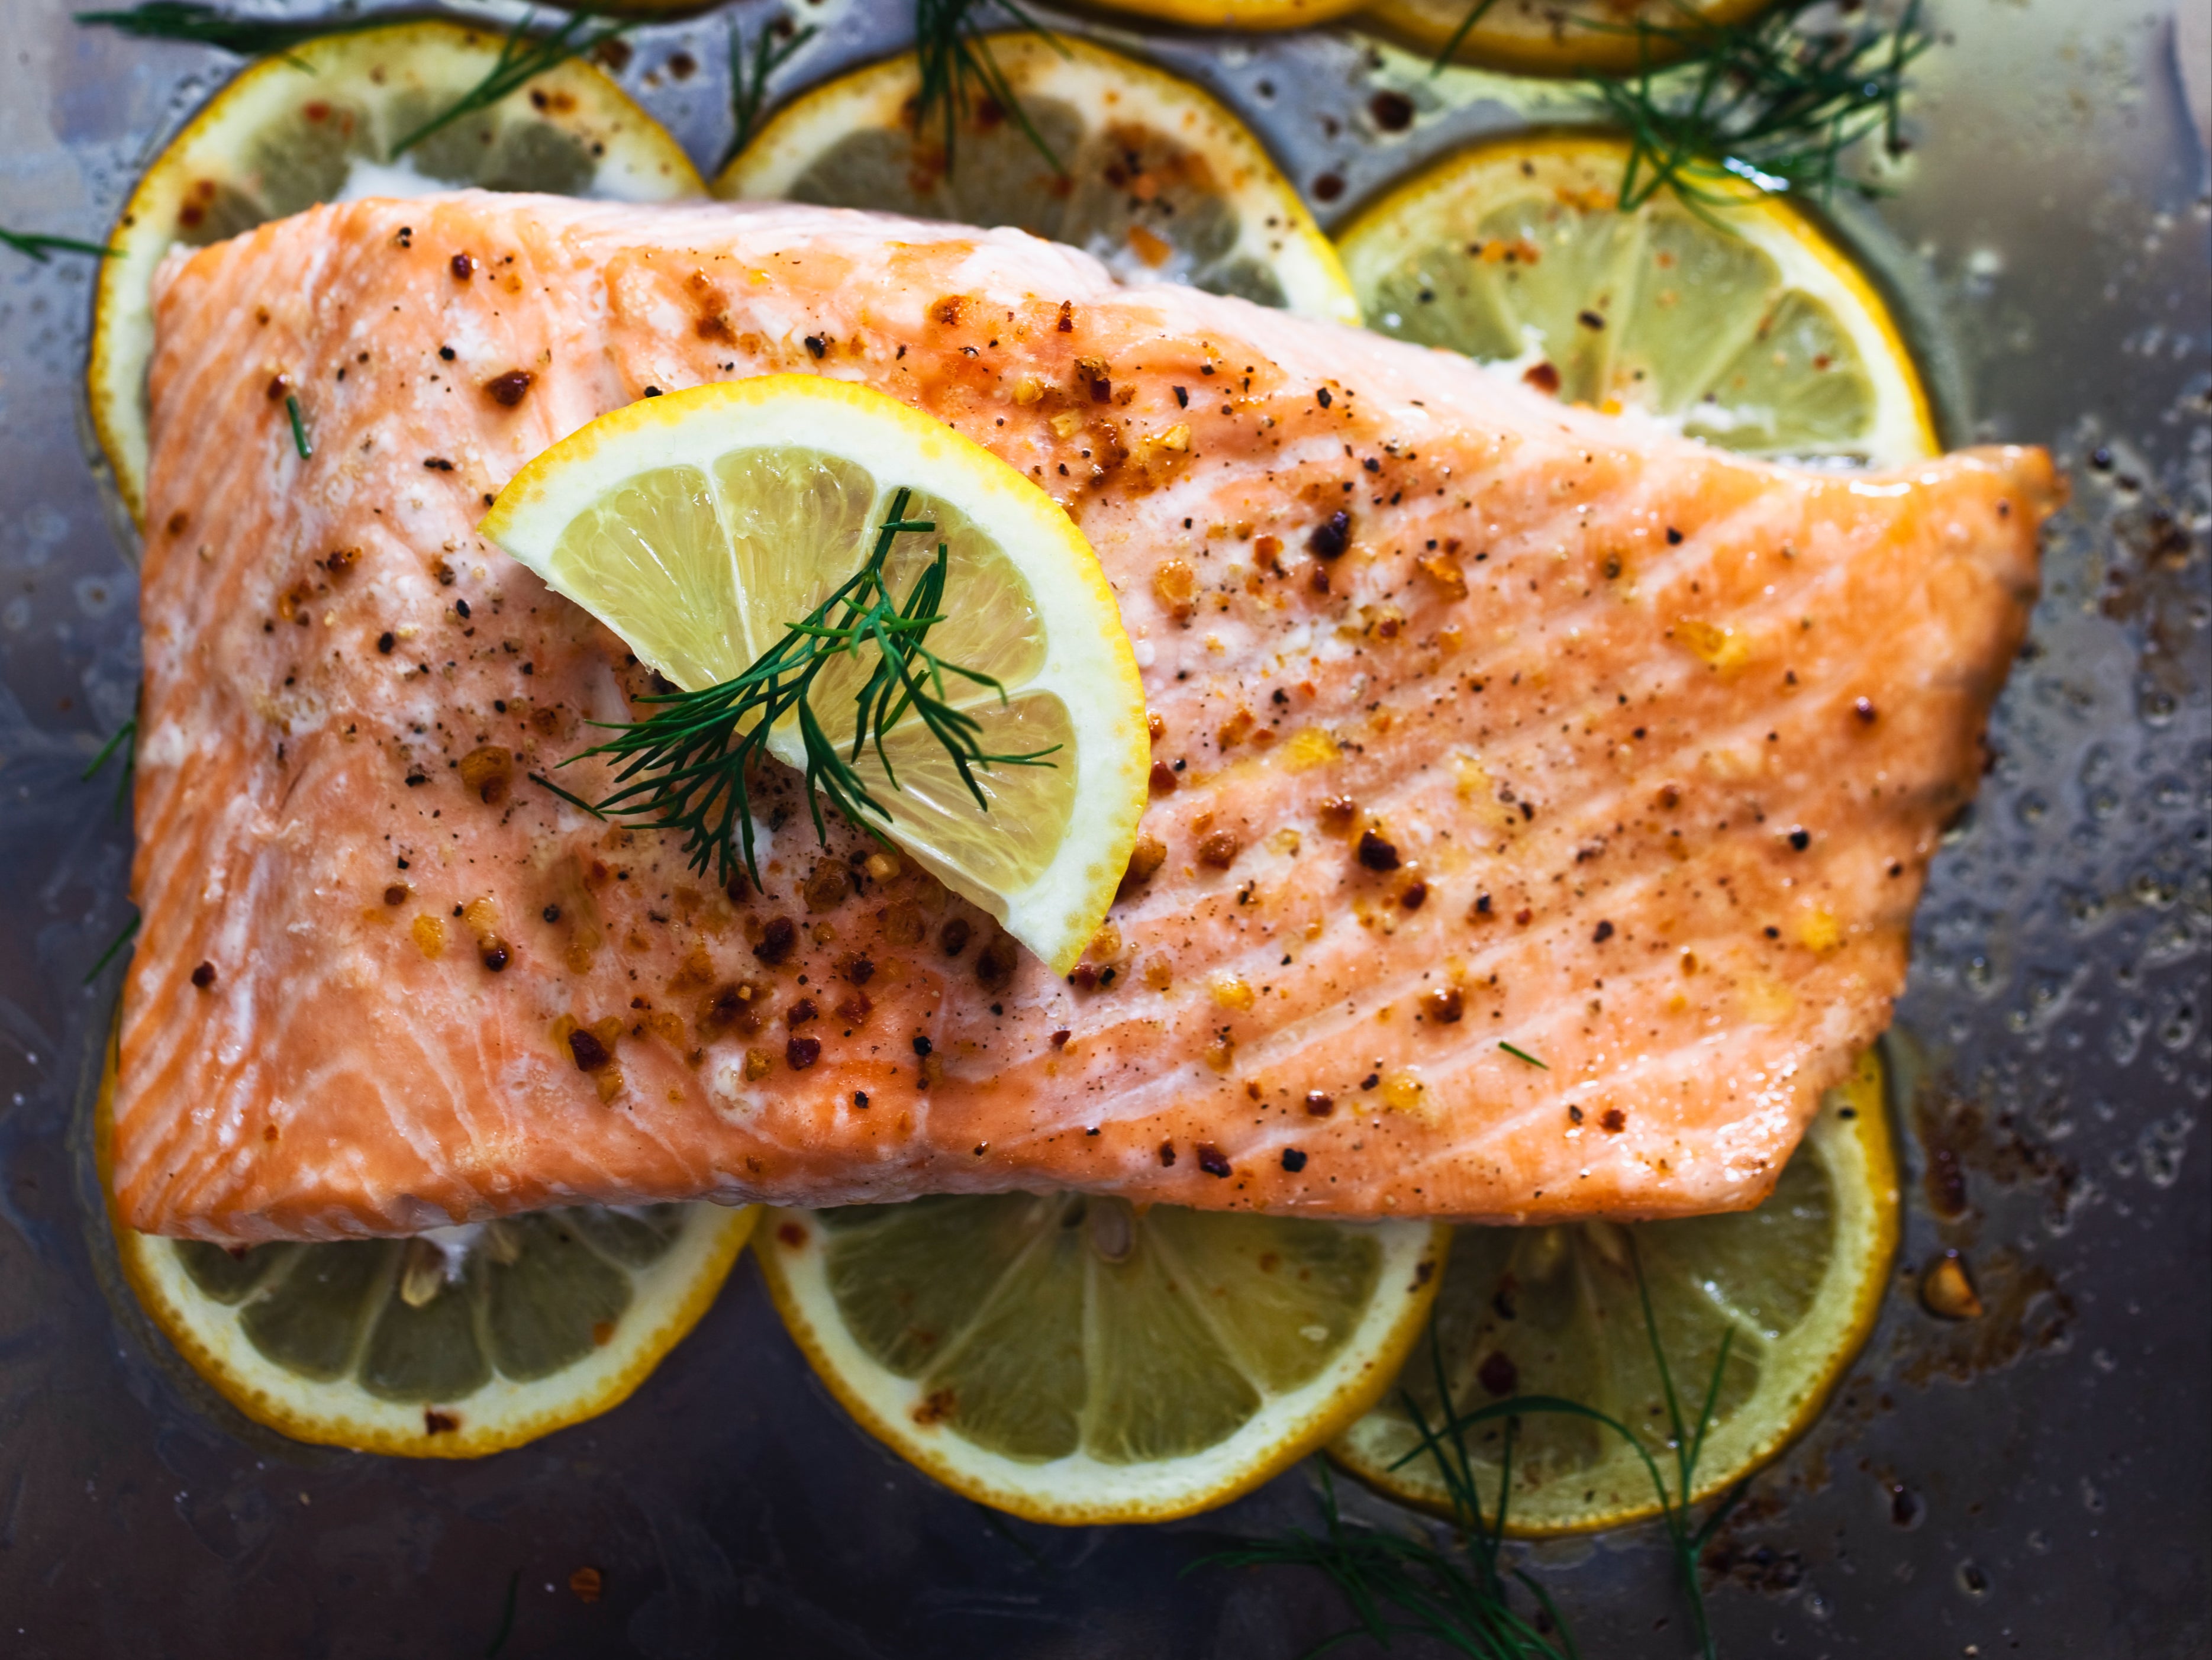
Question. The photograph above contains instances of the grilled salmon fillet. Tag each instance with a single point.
(1539, 806)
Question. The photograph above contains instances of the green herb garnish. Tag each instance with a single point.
(684, 766)
(1474, 14)
(40, 246)
(208, 26)
(523, 57)
(114, 948)
(299, 426)
(1770, 102)
(126, 740)
(1401, 1584)
(1522, 1055)
(772, 49)
(953, 51)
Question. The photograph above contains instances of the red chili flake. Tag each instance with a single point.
(438, 1423)
(591, 1055)
(1212, 1160)
(1444, 1005)
(1319, 1105)
(586, 1583)
(777, 941)
(1604, 931)
(1067, 323)
(463, 267)
(1331, 537)
(1499, 1374)
(1059, 1038)
(1167, 1152)
(800, 1013)
(1415, 895)
(1377, 852)
(204, 976)
(995, 965)
(1219, 850)
(801, 1053)
(1163, 779)
(1612, 1121)
(508, 390)
(1542, 376)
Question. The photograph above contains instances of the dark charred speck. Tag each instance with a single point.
(204, 976)
(1293, 1160)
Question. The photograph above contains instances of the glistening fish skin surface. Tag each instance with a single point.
(1568, 735)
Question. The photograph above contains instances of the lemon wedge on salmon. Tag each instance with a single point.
(1734, 319)
(1078, 1360)
(450, 1345)
(1154, 177)
(1554, 1311)
(701, 526)
(321, 122)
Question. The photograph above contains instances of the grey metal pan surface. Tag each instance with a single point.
(2038, 1482)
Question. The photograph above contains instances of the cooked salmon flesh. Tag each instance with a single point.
(1539, 805)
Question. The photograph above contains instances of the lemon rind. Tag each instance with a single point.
(640, 162)
(1080, 1490)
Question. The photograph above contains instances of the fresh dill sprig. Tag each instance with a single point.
(299, 426)
(1774, 101)
(772, 49)
(41, 248)
(523, 57)
(1519, 1053)
(684, 766)
(126, 740)
(1399, 1584)
(209, 25)
(114, 948)
(1466, 26)
(953, 53)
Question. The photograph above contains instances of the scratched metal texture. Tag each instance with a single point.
(2034, 1484)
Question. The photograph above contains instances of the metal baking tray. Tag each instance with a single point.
(2037, 1482)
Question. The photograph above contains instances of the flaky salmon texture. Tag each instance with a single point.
(1488, 733)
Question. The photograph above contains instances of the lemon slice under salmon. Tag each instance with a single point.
(1161, 182)
(1734, 319)
(1554, 1311)
(1553, 37)
(1076, 1360)
(321, 123)
(701, 525)
(452, 1345)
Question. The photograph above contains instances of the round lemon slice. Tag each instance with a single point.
(701, 525)
(1161, 183)
(452, 1345)
(319, 124)
(1554, 1311)
(1238, 14)
(1075, 1360)
(1734, 319)
(1553, 37)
